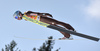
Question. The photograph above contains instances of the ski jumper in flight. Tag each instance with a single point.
(46, 18)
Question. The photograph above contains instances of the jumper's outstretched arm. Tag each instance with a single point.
(41, 14)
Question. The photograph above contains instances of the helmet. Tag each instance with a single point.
(17, 14)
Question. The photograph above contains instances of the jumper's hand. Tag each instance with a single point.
(48, 14)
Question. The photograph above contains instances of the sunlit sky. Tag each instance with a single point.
(83, 15)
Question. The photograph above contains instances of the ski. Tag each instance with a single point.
(46, 39)
(74, 33)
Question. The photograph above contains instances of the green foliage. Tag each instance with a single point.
(2, 49)
(11, 46)
(47, 46)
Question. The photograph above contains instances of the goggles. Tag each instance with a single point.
(16, 17)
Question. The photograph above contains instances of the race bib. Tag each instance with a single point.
(34, 16)
(35, 21)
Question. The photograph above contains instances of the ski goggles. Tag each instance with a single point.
(16, 17)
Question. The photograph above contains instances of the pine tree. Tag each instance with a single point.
(47, 46)
(11, 46)
(2, 49)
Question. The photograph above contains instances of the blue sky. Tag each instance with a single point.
(83, 15)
